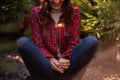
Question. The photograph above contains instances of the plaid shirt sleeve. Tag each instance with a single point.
(36, 32)
(75, 34)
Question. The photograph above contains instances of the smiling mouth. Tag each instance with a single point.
(56, 5)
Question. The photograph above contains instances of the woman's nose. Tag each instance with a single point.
(56, 1)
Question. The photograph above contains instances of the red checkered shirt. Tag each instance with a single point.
(58, 41)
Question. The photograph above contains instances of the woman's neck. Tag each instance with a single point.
(55, 17)
(56, 11)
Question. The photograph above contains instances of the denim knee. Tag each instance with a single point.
(23, 41)
(92, 40)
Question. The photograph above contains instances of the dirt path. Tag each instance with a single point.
(104, 66)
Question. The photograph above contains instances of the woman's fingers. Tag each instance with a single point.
(63, 60)
(65, 63)
(56, 67)
(60, 65)
(57, 64)
(65, 66)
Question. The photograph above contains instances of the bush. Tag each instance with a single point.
(100, 18)
(12, 9)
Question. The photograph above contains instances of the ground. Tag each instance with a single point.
(105, 65)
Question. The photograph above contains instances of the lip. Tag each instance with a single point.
(56, 5)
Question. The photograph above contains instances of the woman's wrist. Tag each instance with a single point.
(51, 58)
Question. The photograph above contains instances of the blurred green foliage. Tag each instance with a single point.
(12, 9)
(12, 15)
(100, 18)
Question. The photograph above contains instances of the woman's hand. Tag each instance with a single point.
(55, 64)
(64, 63)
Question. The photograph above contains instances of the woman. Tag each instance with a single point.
(57, 49)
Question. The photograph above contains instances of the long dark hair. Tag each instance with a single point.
(45, 17)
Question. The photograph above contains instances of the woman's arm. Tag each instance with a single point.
(75, 34)
(36, 32)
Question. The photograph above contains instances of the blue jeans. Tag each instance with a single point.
(39, 66)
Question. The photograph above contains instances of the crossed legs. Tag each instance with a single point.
(40, 66)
